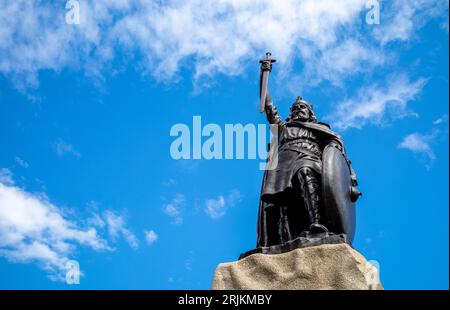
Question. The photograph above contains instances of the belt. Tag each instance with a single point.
(302, 144)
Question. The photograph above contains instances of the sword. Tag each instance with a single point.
(266, 68)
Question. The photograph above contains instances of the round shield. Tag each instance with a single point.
(338, 207)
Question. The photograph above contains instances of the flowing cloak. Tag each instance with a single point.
(277, 187)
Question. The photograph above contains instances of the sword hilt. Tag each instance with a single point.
(266, 64)
(266, 68)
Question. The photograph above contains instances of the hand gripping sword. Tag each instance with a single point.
(266, 68)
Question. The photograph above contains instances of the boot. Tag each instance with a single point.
(309, 184)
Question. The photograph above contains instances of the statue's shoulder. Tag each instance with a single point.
(326, 128)
(319, 126)
(324, 125)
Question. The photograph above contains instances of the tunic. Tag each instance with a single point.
(298, 147)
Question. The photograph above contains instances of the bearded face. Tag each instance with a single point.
(300, 112)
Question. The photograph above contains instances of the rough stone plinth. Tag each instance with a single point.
(323, 267)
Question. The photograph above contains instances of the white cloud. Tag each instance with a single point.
(6, 176)
(63, 148)
(348, 58)
(97, 221)
(32, 229)
(150, 236)
(116, 227)
(221, 37)
(377, 104)
(131, 238)
(441, 120)
(419, 144)
(172, 209)
(335, 63)
(21, 162)
(217, 208)
(400, 18)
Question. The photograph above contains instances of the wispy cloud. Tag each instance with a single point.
(441, 120)
(402, 17)
(377, 104)
(172, 209)
(62, 148)
(150, 236)
(6, 176)
(335, 63)
(420, 145)
(113, 223)
(117, 227)
(168, 182)
(165, 34)
(32, 229)
(234, 197)
(21, 162)
(217, 208)
(96, 220)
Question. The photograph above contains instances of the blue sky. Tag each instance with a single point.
(86, 111)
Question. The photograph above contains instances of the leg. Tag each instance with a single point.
(284, 232)
(309, 190)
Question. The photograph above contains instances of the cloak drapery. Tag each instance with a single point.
(279, 186)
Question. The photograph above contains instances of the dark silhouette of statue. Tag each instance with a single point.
(308, 197)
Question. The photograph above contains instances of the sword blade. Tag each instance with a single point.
(263, 94)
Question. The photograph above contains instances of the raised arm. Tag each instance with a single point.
(272, 113)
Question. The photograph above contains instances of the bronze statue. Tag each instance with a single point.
(309, 197)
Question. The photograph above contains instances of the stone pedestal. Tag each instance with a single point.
(322, 267)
